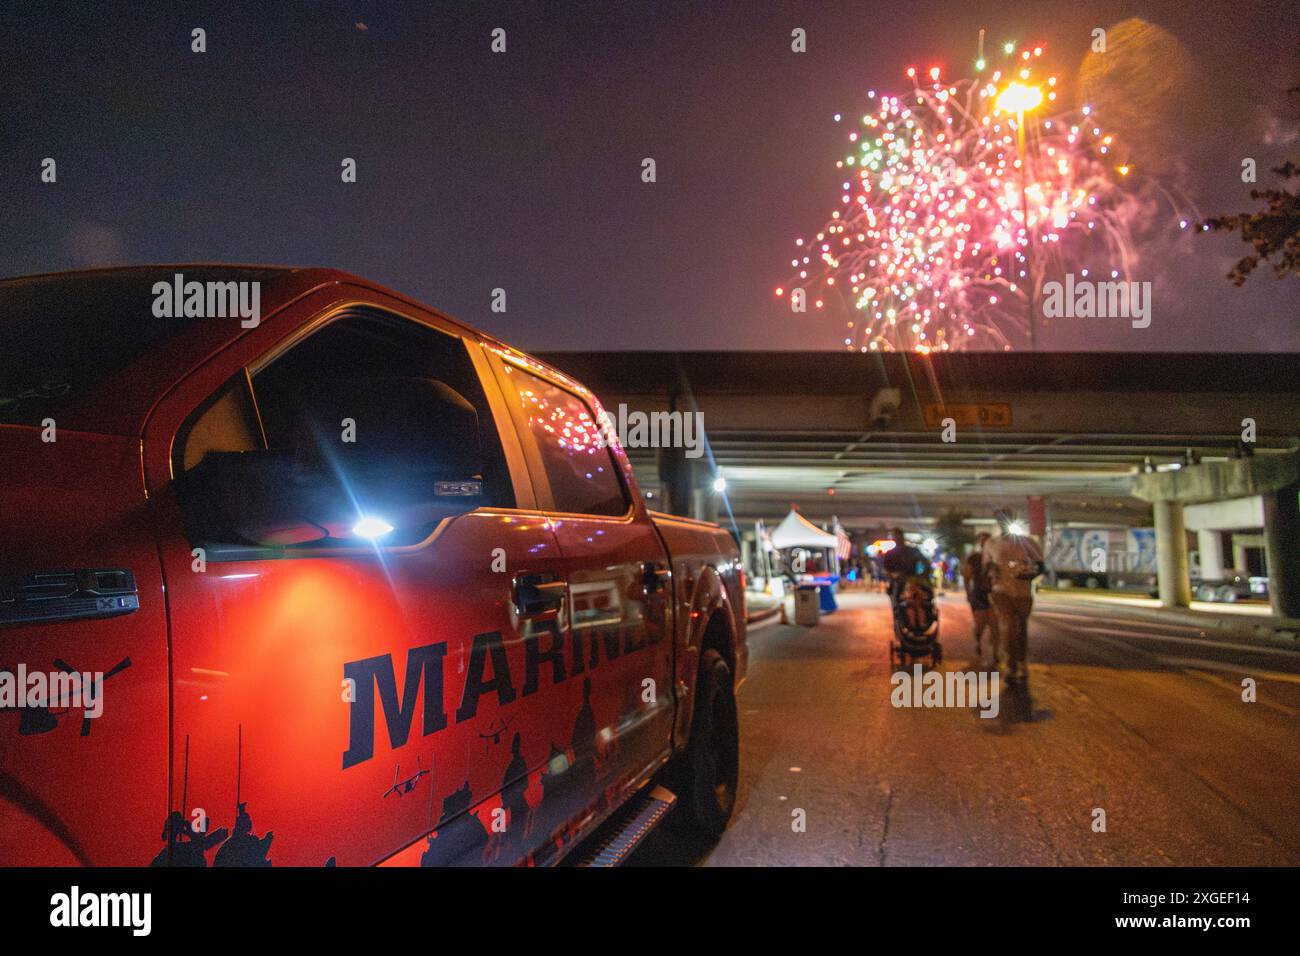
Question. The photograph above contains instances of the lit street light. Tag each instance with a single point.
(1019, 99)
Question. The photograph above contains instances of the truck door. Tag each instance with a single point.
(341, 698)
(616, 566)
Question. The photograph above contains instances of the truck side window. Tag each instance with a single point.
(581, 470)
(225, 422)
(368, 343)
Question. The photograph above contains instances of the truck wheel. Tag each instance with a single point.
(712, 763)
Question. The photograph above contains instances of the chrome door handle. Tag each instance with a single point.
(654, 577)
(538, 594)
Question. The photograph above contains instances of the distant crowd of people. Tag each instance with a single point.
(942, 570)
(997, 575)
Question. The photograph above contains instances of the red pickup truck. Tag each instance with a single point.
(296, 570)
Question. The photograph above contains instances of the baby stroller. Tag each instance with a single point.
(916, 622)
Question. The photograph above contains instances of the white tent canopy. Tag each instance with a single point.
(796, 531)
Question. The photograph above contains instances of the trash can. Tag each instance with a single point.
(827, 597)
(807, 605)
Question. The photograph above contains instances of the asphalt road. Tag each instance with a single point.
(1142, 720)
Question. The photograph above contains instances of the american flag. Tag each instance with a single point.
(843, 546)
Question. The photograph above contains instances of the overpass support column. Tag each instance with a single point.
(1037, 507)
(705, 499)
(688, 485)
(1210, 545)
(1171, 554)
(1282, 549)
(676, 479)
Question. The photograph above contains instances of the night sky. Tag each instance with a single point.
(522, 170)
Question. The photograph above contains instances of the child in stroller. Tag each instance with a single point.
(916, 621)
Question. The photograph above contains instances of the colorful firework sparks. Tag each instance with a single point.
(945, 236)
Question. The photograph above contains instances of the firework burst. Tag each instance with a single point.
(944, 235)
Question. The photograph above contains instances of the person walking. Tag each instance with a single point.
(1015, 560)
(903, 561)
(975, 578)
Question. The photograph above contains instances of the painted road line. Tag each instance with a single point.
(1095, 618)
(1235, 689)
(1201, 641)
(1227, 668)
(1197, 668)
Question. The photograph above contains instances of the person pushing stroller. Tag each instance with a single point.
(911, 597)
(901, 562)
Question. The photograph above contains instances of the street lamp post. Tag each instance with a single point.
(1029, 240)
(1020, 99)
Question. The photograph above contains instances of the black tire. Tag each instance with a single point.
(712, 764)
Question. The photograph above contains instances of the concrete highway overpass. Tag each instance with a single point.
(878, 438)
